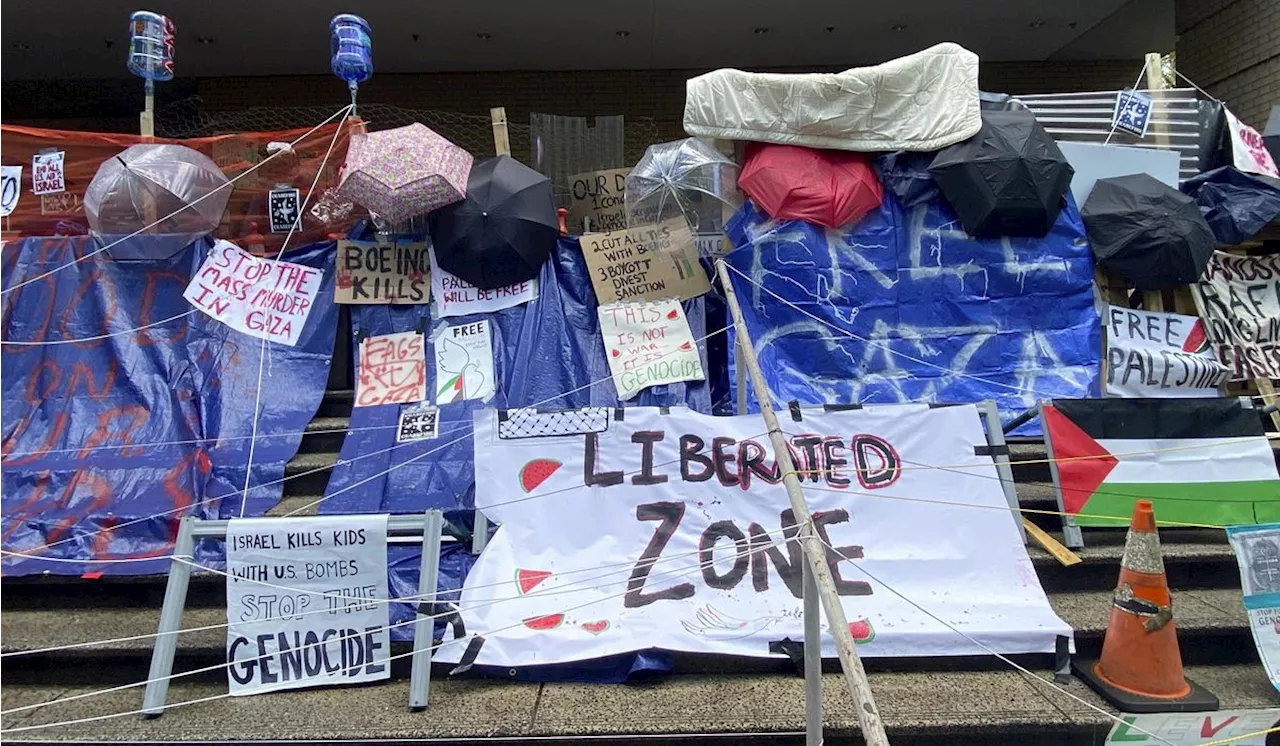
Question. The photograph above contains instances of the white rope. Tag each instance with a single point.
(192, 203)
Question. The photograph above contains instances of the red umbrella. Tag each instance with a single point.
(829, 187)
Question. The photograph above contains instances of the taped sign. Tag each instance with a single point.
(418, 422)
(47, 174)
(263, 298)
(647, 263)
(1159, 355)
(649, 344)
(601, 196)
(392, 370)
(382, 272)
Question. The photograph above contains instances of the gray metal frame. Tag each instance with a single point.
(424, 528)
(1070, 531)
(995, 438)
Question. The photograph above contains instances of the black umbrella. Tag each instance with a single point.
(1008, 180)
(503, 231)
(1147, 232)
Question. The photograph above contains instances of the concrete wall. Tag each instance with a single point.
(1231, 48)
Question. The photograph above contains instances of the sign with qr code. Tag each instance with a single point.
(1132, 113)
(418, 422)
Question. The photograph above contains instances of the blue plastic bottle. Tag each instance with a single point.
(351, 47)
(151, 46)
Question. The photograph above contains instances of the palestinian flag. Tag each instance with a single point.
(1198, 460)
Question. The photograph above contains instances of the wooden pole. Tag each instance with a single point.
(501, 139)
(815, 552)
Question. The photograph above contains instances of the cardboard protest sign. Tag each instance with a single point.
(648, 344)
(656, 486)
(1237, 298)
(47, 175)
(1248, 150)
(601, 196)
(418, 422)
(392, 369)
(1257, 551)
(454, 296)
(464, 362)
(260, 297)
(647, 263)
(10, 189)
(382, 272)
(1159, 355)
(325, 622)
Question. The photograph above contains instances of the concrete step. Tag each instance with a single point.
(967, 707)
(324, 435)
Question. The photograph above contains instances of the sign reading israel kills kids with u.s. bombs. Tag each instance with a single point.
(306, 602)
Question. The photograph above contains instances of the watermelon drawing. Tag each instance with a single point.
(536, 472)
(673, 315)
(527, 580)
(597, 627)
(550, 621)
(1196, 340)
(686, 347)
(862, 631)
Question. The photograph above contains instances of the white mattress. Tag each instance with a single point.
(924, 101)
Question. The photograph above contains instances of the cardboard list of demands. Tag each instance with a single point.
(648, 263)
(330, 626)
(1239, 299)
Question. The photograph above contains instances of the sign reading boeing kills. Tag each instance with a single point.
(306, 602)
(1160, 355)
(382, 272)
(694, 503)
(1239, 300)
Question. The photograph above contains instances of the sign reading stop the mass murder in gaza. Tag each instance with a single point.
(651, 262)
(1239, 299)
(260, 297)
(1164, 355)
(601, 196)
(382, 272)
(306, 602)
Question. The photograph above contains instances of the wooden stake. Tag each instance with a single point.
(501, 139)
(815, 552)
(1051, 545)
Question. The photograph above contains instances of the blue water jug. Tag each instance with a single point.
(351, 47)
(151, 46)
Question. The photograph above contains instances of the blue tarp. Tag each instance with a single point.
(941, 316)
(148, 426)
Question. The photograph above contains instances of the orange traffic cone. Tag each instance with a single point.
(1140, 669)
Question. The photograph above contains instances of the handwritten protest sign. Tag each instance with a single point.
(1257, 549)
(601, 196)
(648, 344)
(454, 296)
(259, 297)
(418, 422)
(392, 370)
(1237, 298)
(464, 362)
(325, 621)
(1159, 355)
(10, 189)
(1248, 151)
(646, 263)
(47, 175)
(382, 272)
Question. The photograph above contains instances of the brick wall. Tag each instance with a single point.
(1232, 49)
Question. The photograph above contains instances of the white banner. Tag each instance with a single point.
(259, 297)
(1162, 355)
(603, 535)
(454, 296)
(1248, 151)
(1195, 728)
(330, 626)
(648, 344)
(1239, 299)
(464, 362)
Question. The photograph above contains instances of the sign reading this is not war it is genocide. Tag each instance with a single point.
(646, 263)
(1239, 299)
(648, 344)
(382, 272)
(696, 504)
(306, 602)
(263, 298)
(1159, 355)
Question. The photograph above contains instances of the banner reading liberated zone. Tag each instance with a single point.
(693, 507)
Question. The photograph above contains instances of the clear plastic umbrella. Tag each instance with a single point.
(685, 177)
(150, 181)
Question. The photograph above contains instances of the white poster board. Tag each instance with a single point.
(47, 174)
(689, 510)
(1239, 299)
(454, 296)
(464, 362)
(260, 297)
(648, 343)
(1093, 161)
(392, 369)
(10, 189)
(330, 626)
(1162, 355)
(1248, 150)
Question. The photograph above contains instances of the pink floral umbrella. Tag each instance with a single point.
(404, 172)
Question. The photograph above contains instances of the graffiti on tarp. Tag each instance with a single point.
(108, 441)
(941, 316)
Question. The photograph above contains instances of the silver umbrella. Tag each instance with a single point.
(150, 181)
(685, 177)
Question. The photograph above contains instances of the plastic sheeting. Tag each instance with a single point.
(132, 432)
(939, 316)
(1236, 204)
